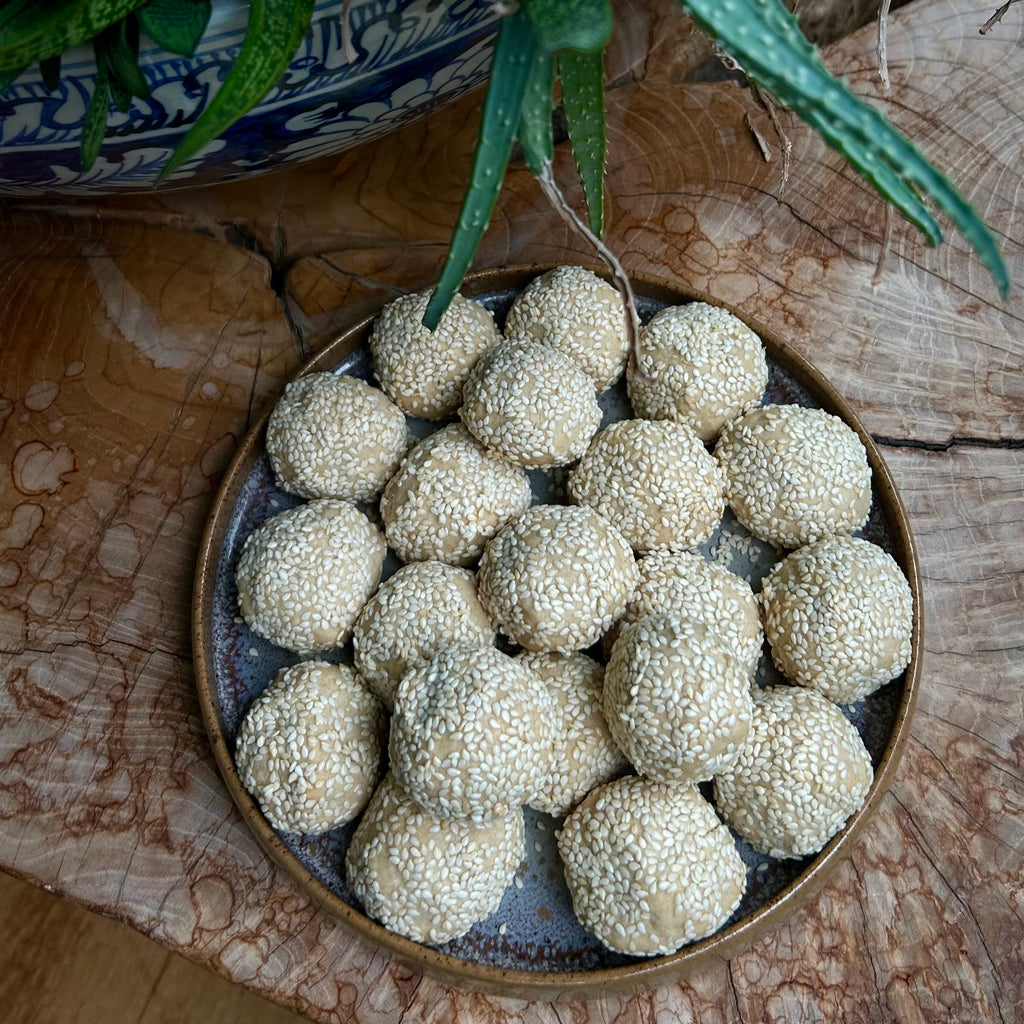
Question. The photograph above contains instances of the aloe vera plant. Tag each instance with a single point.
(540, 42)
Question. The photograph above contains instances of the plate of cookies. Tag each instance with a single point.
(547, 660)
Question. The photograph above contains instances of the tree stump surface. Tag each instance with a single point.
(140, 337)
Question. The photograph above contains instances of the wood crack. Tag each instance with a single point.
(957, 441)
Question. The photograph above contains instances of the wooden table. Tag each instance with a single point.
(139, 338)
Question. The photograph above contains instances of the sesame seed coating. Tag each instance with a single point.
(677, 699)
(698, 364)
(309, 748)
(696, 588)
(575, 311)
(838, 615)
(585, 753)
(472, 736)
(802, 772)
(423, 607)
(449, 497)
(654, 480)
(426, 877)
(556, 577)
(531, 404)
(794, 475)
(649, 866)
(305, 574)
(421, 371)
(334, 436)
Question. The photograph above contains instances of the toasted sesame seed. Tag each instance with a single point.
(449, 497)
(794, 474)
(309, 747)
(427, 877)
(655, 481)
(333, 436)
(838, 616)
(423, 372)
(698, 364)
(573, 310)
(649, 866)
(305, 574)
(530, 404)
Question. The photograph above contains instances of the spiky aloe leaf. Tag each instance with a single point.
(117, 55)
(513, 61)
(95, 124)
(535, 133)
(582, 77)
(49, 69)
(570, 24)
(275, 29)
(766, 40)
(177, 25)
(34, 32)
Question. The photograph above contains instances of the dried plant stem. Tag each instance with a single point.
(880, 45)
(771, 108)
(619, 280)
(758, 138)
(996, 18)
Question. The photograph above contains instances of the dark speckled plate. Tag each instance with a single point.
(533, 945)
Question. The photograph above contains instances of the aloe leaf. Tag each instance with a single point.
(176, 25)
(95, 124)
(7, 78)
(511, 66)
(49, 68)
(763, 36)
(582, 77)
(275, 29)
(570, 24)
(535, 133)
(117, 49)
(42, 30)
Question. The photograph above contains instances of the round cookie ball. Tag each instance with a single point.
(426, 877)
(802, 772)
(530, 404)
(698, 364)
(556, 577)
(794, 475)
(449, 498)
(689, 585)
(305, 574)
(309, 748)
(677, 699)
(333, 436)
(838, 615)
(472, 736)
(575, 311)
(649, 866)
(423, 371)
(585, 753)
(423, 607)
(654, 480)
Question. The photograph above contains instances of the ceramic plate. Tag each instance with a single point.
(532, 945)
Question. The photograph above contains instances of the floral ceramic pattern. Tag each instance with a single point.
(412, 55)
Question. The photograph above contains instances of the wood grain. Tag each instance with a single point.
(138, 338)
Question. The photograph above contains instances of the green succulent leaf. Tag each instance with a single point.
(275, 29)
(535, 132)
(176, 25)
(582, 77)
(117, 54)
(570, 24)
(511, 68)
(766, 40)
(49, 68)
(33, 32)
(95, 124)
(7, 77)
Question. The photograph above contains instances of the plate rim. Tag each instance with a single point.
(643, 974)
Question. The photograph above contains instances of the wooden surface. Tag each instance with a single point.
(59, 962)
(139, 338)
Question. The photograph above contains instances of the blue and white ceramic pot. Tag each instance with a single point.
(410, 56)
